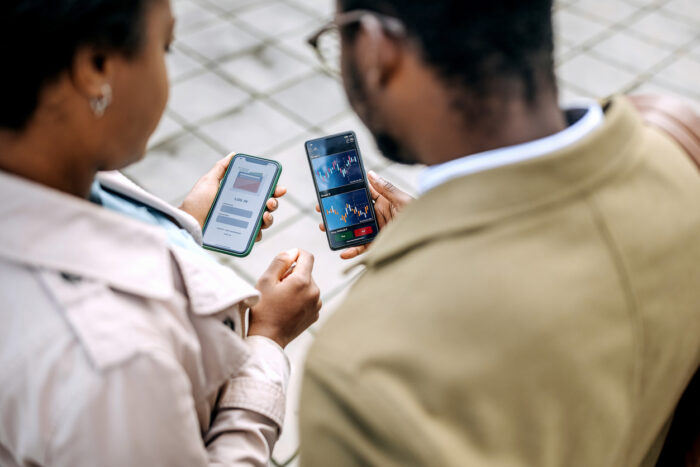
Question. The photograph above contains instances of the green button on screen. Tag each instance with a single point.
(344, 236)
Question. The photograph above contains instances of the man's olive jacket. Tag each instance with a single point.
(542, 314)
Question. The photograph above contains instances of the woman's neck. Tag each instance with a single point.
(48, 159)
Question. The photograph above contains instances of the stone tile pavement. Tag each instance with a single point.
(243, 79)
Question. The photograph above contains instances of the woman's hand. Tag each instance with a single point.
(388, 202)
(198, 202)
(290, 299)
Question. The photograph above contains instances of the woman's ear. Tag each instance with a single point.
(92, 72)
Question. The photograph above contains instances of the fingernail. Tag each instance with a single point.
(373, 175)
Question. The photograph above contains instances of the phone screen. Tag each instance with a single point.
(236, 215)
(341, 186)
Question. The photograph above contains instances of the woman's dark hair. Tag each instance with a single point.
(39, 39)
(477, 44)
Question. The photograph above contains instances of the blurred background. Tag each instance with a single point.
(244, 80)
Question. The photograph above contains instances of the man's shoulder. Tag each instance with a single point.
(440, 259)
(528, 275)
(478, 319)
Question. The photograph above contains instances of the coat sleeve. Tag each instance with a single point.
(251, 409)
(143, 414)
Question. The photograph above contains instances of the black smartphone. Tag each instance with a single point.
(236, 217)
(342, 191)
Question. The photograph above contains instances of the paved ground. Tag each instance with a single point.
(244, 80)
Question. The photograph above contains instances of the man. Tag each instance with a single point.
(538, 305)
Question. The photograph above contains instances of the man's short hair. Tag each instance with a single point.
(477, 45)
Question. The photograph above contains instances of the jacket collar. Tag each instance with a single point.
(475, 201)
(45, 228)
(117, 182)
(582, 120)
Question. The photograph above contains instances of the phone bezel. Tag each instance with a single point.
(371, 237)
(259, 222)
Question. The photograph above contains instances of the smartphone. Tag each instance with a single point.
(342, 191)
(236, 217)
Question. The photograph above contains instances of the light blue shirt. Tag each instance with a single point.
(176, 236)
(439, 174)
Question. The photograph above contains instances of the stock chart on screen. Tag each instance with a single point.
(337, 170)
(347, 209)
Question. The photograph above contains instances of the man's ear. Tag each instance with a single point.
(379, 56)
(92, 70)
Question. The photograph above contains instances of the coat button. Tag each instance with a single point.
(230, 324)
(71, 278)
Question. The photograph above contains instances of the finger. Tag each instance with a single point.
(353, 252)
(375, 194)
(305, 264)
(388, 190)
(318, 208)
(219, 169)
(281, 264)
(322, 227)
(272, 204)
(268, 220)
(381, 216)
(280, 191)
(259, 237)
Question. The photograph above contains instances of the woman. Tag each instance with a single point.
(113, 347)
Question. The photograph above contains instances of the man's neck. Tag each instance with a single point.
(516, 123)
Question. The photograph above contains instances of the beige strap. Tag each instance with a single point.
(682, 123)
(675, 117)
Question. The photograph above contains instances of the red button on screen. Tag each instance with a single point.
(363, 232)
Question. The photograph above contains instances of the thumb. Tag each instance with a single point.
(281, 264)
(219, 170)
(385, 188)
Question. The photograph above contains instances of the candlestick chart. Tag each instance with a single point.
(346, 209)
(337, 170)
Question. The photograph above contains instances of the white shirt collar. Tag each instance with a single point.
(480, 162)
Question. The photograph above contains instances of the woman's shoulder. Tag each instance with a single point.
(46, 307)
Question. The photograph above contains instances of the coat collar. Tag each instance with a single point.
(48, 229)
(474, 201)
(115, 181)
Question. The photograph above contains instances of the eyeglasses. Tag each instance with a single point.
(327, 41)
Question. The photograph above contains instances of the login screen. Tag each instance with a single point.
(240, 204)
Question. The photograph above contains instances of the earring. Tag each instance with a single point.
(100, 104)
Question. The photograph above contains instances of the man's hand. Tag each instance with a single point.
(290, 301)
(388, 202)
(199, 200)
